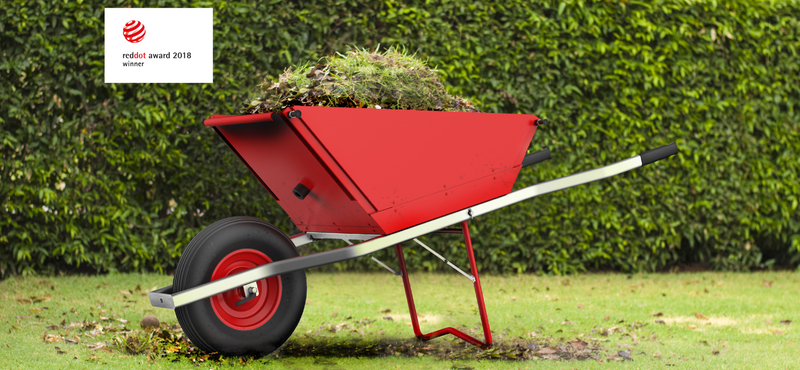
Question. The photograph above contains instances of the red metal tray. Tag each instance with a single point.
(377, 171)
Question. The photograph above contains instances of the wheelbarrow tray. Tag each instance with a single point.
(377, 171)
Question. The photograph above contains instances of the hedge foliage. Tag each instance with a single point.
(119, 177)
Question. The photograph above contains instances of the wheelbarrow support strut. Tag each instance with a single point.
(487, 333)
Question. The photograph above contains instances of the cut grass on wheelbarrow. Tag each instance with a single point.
(703, 320)
(392, 79)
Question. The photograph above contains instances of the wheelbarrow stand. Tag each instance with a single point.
(487, 332)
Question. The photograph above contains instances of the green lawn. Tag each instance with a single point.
(710, 320)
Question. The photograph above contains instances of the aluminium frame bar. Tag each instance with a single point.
(466, 275)
(386, 267)
(375, 259)
(312, 236)
(166, 298)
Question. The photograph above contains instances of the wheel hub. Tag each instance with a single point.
(256, 310)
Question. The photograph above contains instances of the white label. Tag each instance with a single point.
(159, 45)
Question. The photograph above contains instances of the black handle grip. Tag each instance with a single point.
(659, 153)
(536, 157)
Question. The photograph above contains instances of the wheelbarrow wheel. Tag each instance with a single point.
(259, 325)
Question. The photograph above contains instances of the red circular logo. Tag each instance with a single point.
(133, 31)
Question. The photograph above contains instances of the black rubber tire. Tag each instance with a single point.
(198, 320)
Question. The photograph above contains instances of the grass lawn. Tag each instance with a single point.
(707, 320)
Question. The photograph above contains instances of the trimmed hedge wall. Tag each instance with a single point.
(119, 177)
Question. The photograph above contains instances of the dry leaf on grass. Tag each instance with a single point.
(52, 338)
(700, 316)
(786, 322)
(95, 346)
(547, 351)
(335, 328)
(34, 299)
(579, 344)
(657, 314)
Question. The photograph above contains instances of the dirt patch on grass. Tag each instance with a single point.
(768, 331)
(430, 318)
(713, 320)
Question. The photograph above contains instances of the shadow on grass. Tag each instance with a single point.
(169, 342)
(447, 348)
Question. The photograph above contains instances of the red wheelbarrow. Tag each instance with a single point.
(377, 177)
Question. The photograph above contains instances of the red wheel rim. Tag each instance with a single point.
(258, 310)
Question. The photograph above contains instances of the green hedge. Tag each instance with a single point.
(119, 177)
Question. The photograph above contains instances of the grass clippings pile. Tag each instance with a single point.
(360, 79)
(163, 342)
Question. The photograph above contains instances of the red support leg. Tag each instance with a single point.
(487, 334)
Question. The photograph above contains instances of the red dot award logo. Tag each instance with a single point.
(133, 31)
